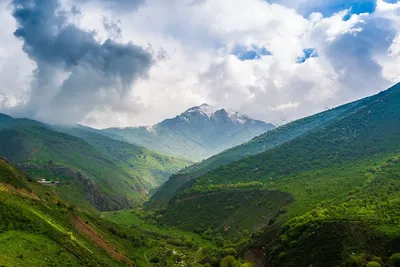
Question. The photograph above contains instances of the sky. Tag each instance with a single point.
(122, 63)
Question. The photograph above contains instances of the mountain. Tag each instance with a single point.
(321, 191)
(198, 133)
(152, 167)
(329, 197)
(94, 170)
(257, 145)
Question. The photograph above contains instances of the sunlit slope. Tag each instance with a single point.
(361, 227)
(38, 229)
(258, 145)
(366, 132)
(322, 166)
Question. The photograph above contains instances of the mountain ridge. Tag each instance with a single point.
(257, 145)
(110, 174)
(195, 134)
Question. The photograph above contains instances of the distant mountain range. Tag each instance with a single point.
(196, 134)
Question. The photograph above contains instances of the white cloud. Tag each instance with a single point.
(382, 6)
(356, 57)
(15, 67)
(284, 106)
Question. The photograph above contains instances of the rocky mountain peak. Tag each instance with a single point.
(212, 112)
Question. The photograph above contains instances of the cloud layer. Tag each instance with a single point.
(275, 61)
(75, 73)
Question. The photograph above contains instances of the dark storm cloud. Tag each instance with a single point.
(55, 45)
(112, 27)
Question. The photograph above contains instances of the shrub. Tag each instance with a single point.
(228, 261)
(377, 259)
(354, 262)
(395, 260)
(248, 264)
(373, 264)
(155, 259)
(228, 251)
(176, 258)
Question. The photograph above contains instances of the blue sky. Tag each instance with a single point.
(250, 53)
(329, 7)
(122, 63)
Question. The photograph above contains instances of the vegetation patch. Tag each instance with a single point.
(230, 212)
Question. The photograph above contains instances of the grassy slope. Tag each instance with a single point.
(120, 170)
(367, 132)
(258, 145)
(39, 145)
(231, 212)
(321, 167)
(364, 224)
(38, 229)
(163, 240)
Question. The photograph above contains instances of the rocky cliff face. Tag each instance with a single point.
(101, 201)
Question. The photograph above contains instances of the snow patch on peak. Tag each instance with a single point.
(237, 116)
(203, 109)
(210, 111)
(150, 128)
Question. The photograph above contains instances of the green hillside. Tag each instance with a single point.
(107, 174)
(152, 167)
(342, 175)
(39, 229)
(361, 227)
(36, 228)
(257, 145)
(325, 191)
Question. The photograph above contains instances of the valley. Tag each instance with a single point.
(320, 191)
(199, 133)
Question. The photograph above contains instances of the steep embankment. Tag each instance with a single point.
(36, 228)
